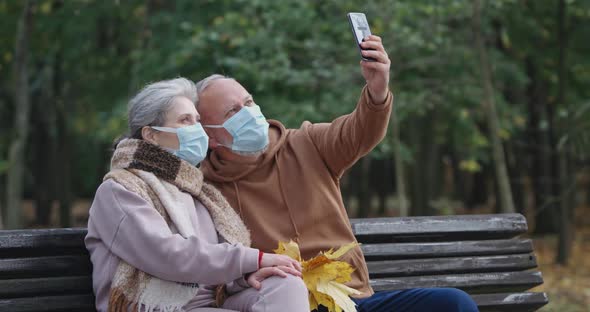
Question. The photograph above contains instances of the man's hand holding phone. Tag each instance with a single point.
(376, 72)
(375, 62)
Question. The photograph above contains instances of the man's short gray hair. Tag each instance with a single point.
(204, 83)
(150, 105)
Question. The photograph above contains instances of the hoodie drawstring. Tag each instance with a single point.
(238, 197)
(286, 201)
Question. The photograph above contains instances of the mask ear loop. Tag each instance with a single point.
(217, 127)
(165, 129)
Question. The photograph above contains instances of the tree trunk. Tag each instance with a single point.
(65, 172)
(14, 185)
(424, 173)
(538, 150)
(2, 201)
(565, 177)
(41, 166)
(144, 44)
(504, 191)
(382, 182)
(400, 181)
(365, 194)
(43, 146)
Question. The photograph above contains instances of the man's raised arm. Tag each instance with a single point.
(343, 141)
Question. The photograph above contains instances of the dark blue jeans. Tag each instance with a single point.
(417, 300)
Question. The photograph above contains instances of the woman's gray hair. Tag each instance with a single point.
(204, 83)
(150, 105)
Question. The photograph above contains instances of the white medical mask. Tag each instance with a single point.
(249, 129)
(193, 142)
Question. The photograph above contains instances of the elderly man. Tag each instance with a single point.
(285, 182)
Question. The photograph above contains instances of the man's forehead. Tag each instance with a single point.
(224, 88)
(220, 95)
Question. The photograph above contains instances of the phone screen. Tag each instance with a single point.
(360, 29)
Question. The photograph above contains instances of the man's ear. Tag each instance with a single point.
(149, 135)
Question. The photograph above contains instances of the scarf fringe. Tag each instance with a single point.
(118, 302)
(220, 295)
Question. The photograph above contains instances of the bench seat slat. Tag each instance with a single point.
(45, 266)
(71, 303)
(528, 301)
(16, 288)
(472, 283)
(392, 251)
(439, 228)
(432, 266)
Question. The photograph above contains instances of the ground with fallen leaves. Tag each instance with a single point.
(568, 287)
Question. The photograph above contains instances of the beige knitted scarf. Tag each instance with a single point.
(158, 177)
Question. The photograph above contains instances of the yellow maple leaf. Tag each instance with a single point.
(340, 293)
(290, 249)
(324, 277)
(341, 251)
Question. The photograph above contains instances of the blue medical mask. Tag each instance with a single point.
(249, 129)
(193, 142)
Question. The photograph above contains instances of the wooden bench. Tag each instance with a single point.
(50, 270)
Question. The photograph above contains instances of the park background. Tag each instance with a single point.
(492, 103)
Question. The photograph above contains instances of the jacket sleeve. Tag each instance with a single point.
(135, 232)
(346, 139)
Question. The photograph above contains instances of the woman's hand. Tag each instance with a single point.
(274, 260)
(255, 279)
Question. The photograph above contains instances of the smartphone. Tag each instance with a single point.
(360, 30)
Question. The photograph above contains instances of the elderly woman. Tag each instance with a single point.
(161, 239)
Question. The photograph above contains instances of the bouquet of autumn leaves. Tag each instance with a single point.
(324, 277)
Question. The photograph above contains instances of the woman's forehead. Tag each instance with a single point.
(183, 105)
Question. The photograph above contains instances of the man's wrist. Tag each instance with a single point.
(378, 99)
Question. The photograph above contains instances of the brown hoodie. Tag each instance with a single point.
(293, 190)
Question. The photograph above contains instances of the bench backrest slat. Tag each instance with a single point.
(474, 282)
(27, 287)
(45, 266)
(439, 228)
(70, 303)
(501, 263)
(446, 249)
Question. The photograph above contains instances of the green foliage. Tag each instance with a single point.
(299, 61)
(3, 166)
